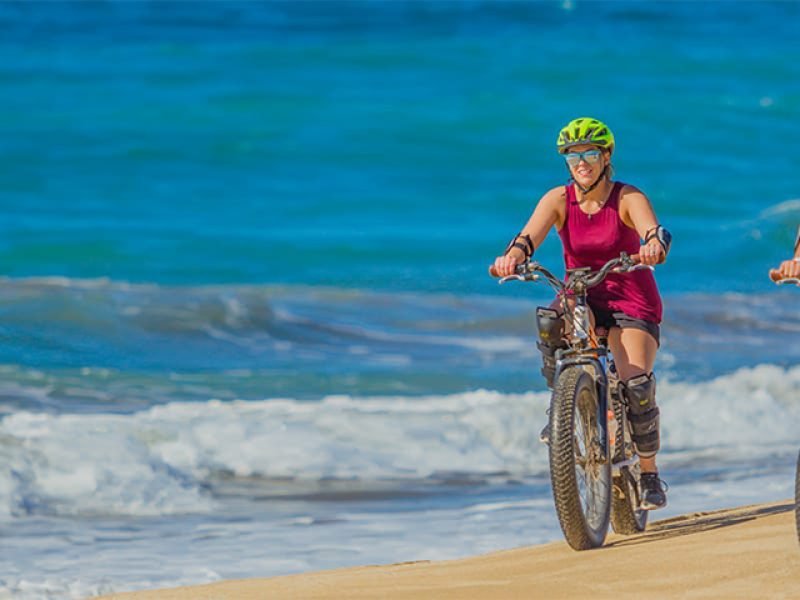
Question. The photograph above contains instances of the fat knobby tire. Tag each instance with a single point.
(573, 382)
(626, 519)
(797, 498)
(623, 515)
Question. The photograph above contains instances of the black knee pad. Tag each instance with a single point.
(640, 396)
(551, 334)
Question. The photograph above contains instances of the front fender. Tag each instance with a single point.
(601, 382)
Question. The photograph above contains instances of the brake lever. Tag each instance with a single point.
(508, 278)
(519, 277)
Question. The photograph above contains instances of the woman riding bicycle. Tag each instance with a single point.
(597, 218)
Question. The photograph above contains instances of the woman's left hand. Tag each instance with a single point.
(652, 253)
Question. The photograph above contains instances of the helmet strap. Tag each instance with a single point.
(586, 190)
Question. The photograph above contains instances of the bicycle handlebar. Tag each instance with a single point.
(623, 263)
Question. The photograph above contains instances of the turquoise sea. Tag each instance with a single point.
(246, 324)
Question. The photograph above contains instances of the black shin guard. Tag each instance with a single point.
(640, 395)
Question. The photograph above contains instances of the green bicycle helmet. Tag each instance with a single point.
(585, 130)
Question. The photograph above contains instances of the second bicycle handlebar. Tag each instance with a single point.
(779, 279)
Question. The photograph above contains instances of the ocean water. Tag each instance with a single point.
(245, 318)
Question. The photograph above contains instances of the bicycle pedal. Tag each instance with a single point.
(544, 435)
(647, 506)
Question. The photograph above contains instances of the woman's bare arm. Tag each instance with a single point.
(636, 212)
(549, 211)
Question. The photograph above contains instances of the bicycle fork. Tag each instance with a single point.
(596, 366)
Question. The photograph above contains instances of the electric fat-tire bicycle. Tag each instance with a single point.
(788, 281)
(594, 469)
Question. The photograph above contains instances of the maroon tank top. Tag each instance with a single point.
(592, 240)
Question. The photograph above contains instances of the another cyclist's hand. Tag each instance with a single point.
(652, 253)
(507, 264)
(788, 268)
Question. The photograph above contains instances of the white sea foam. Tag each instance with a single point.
(787, 206)
(160, 461)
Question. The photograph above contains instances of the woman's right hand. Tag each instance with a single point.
(507, 264)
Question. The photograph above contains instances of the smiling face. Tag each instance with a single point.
(586, 163)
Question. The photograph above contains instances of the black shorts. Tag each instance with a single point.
(609, 319)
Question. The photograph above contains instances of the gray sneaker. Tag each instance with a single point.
(654, 496)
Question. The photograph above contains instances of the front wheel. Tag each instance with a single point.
(580, 468)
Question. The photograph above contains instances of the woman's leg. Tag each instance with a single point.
(634, 353)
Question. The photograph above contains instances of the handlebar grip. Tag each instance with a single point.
(637, 260)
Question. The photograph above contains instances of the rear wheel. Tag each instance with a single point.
(797, 498)
(626, 516)
(580, 469)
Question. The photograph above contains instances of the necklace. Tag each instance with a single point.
(601, 204)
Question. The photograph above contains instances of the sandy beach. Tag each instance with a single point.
(746, 552)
